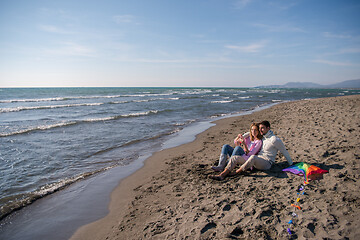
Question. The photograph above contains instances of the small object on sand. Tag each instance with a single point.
(216, 177)
(298, 207)
(290, 222)
(298, 199)
(289, 231)
(294, 214)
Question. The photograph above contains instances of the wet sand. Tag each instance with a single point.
(171, 197)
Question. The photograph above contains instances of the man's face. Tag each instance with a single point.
(263, 129)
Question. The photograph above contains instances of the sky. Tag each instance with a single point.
(177, 43)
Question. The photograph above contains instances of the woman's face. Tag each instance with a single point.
(254, 131)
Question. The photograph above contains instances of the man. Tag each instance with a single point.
(266, 157)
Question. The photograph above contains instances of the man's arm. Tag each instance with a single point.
(281, 147)
(246, 135)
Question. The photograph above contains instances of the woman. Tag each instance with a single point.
(251, 144)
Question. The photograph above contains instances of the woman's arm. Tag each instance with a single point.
(238, 140)
(255, 149)
(245, 145)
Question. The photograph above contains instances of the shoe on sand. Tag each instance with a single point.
(217, 168)
(216, 177)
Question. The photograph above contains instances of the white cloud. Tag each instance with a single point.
(213, 62)
(53, 29)
(119, 19)
(164, 60)
(72, 49)
(251, 48)
(350, 50)
(279, 28)
(333, 63)
(343, 51)
(283, 5)
(331, 35)
(242, 3)
(57, 13)
(144, 60)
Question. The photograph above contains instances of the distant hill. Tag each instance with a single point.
(344, 84)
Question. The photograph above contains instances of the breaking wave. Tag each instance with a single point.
(18, 109)
(69, 123)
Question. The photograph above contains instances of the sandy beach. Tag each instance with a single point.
(171, 197)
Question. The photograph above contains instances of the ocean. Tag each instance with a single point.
(51, 138)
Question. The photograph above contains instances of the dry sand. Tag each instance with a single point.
(171, 197)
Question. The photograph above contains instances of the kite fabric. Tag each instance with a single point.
(310, 172)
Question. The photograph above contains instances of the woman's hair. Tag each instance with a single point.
(259, 136)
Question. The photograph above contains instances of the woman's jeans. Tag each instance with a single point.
(227, 150)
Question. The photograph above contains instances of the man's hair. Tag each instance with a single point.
(265, 123)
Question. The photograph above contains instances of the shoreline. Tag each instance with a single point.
(95, 194)
(186, 138)
(155, 200)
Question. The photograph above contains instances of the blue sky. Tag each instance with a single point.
(192, 43)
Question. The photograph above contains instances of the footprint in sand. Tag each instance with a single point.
(208, 227)
(237, 232)
(227, 207)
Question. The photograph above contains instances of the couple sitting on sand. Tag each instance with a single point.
(259, 149)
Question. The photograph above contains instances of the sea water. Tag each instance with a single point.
(53, 137)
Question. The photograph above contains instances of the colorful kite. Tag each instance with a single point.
(310, 172)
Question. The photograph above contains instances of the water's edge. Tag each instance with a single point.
(58, 215)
